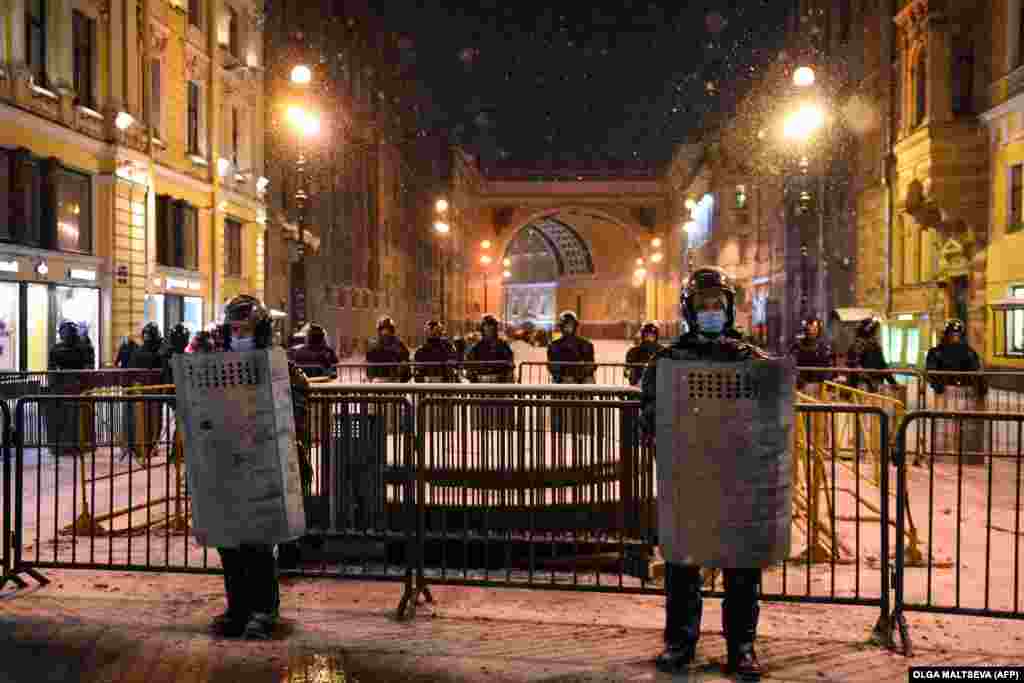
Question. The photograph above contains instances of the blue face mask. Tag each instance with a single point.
(711, 322)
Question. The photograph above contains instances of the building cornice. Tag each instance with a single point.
(16, 116)
(241, 200)
(1014, 105)
(180, 178)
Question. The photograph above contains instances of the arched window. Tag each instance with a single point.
(921, 88)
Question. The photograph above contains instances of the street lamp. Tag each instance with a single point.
(301, 75)
(441, 205)
(442, 228)
(803, 77)
(803, 123)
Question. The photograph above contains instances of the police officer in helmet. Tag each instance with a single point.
(811, 350)
(866, 352)
(250, 571)
(954, 354)
(388, 350)
(571, 348)
(638, 356)
(315, 356)
(708, 306)
(491, 359)
(437, 355)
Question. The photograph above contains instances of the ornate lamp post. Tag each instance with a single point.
(442, 228)
(306, 125)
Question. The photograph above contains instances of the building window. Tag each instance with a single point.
(83, 32)
(35, 40)
(193, 118)
(1016, 215)
(177, 230)
(232, 248)
(741, 196)
(73, 197)
(154, 96)
(963, 78)
(921, 89)
(233, 38)
(235, 130)
(1020, 36)
(844, 21)
(6, 177)
(195, 13)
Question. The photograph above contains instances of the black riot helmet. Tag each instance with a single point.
(177, 338)
(68, 332)
(434, 329)
(248, 315)
(708, 281)
(317, 335)
(386, 323)
(568, 320)
(867, 329)
(489, 321)
(151, 335)
(954, 326)
(649, 328)
(812, 328)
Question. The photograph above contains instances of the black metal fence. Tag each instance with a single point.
(535, 486)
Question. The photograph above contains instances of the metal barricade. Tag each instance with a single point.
(608, 374)
(974, 530)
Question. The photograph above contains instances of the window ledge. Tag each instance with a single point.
(198, 160)
(91, 113)
(43, 92)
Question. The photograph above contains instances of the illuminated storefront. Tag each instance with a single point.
(167, 309)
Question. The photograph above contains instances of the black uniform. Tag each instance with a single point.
(810, 352)
(489, 351)
(954, 358)
(683, 582)
(571, 349)
(640, 354)
(867, 353)
(436, 350)
(148, 356)
(388, 350)
(124, 353)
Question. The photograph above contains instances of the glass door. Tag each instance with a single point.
(80, 305)
(10, 329)
(37, 326)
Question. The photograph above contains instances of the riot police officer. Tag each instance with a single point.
(810, 350)
(640, 354)
(175, 342)
(437, 355)
(69, 353)
(571, 348)
(147, 356)
(708, 306)
(494, 356)
(866, 352)
(954, 354)
(315, 357)
(250, 571)
(388, 349)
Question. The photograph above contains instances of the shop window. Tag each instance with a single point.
(232, 248)
(6, 177)
(83, 35)
(193, 118)
(73, 196)
(35, 40)
(1015, 219)
(10, 328)
(27, 199)
(1010, 322)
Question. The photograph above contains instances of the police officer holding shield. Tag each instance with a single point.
(708, 306)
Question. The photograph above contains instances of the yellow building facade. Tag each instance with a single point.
(130, 167)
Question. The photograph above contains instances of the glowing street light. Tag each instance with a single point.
(308, 124)
(656, 242)
(691, 203)
(656, 258)
(506, 274)
(486, 244)
(441, 206)
(803, 77)
(507, 262)
(803, 123)
(301, 75)
(442, 228)
(640, 273)
(123, 120)
(640, 261)
(485, 259)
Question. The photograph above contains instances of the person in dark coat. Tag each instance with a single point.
(571, 348)
(495, 352)
(62, 420)
(387, 348)
(148, 356)
(866, 352)
(708, 306)
(954, 354)
(810, 350)
(315, 357)
(124, 352)
(250, 571)
(69, 353)
(643, 352)
(436, 349)
(175, 343)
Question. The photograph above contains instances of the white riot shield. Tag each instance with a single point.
(724, 461)
(240, 451)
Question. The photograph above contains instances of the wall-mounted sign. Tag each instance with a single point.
(174, 283)
(121, 273)
(193, 285)
(80, 274)
(9, 266)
